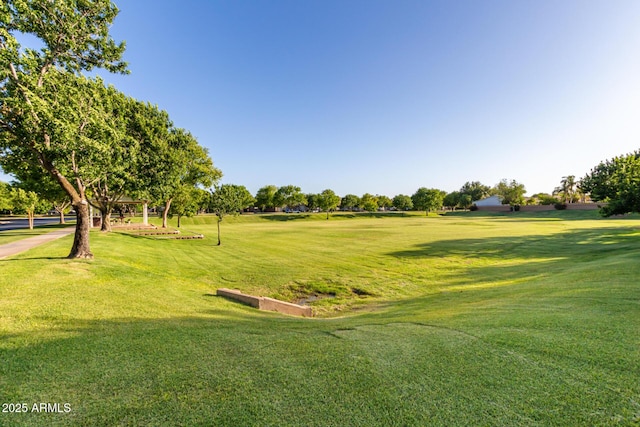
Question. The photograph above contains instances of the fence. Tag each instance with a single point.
(542, 208)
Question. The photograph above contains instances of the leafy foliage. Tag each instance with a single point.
(265, 197)
(26, 201)
(476, 190)
(452, 200)
(567, 190)
(511, 192)
(289, 197)
(402, 202)
(328, 201)
(369, 202)
(384, 202)
(428, 199)
(617, 182)
(349, 202)
(46, 112)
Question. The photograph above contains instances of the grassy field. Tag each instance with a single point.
(463, 319)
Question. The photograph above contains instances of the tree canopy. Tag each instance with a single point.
(476, 190)
(328, 201)
(428, 199)
(46, 115)
(349, 202)
(265, 197)
(511, 192)
(616, 182)
(402, 202)
(289, 197)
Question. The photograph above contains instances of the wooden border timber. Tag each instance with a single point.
(264, 303)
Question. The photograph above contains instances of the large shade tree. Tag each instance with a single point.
(46, 117)
(120, 153)
(171, 162)
(428, 199)
(511, 192)
(289, 197)
(265, 197)
(476, 190)
(349, 202)
(616, 182)
(328, 201)
(402, 202)
(369, 203)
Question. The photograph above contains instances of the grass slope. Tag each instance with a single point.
(454, 320)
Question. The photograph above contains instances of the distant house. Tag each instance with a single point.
(489, 201)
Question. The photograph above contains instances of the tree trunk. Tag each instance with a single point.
(165, 213)
(30, 217)
(219, 241)
(80, 247)
(106, 220)
(61, 212)
(179, 216)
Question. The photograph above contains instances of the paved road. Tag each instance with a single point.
(16, 247)
(18, 223)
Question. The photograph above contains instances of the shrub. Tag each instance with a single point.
(560, 206)
(473, 208)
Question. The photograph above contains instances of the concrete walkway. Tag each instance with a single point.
(18, 246)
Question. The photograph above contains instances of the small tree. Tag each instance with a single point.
(289, 197)
(369, 203)
(265, 197)
(228, 199)
(26, 201)
(452, 200)
(349, 202)
(567, 189)
(384, 202)
(476, 190)
(402, 202)
(328, 201)
(512, 192)
(312, 201)
(465, 201)
(187, 202)
(428, 199)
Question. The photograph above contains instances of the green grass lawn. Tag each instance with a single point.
(464, 319)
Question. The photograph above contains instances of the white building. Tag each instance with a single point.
(489, 201)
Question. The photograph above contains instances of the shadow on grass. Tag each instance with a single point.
(554, 215)
(590, 243)
(284, 217)
(590, 256)
(230, 367)
(332, 215)
(34, 258)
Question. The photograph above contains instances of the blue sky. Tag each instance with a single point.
(388, 96)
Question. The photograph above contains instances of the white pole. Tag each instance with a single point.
(145, 214)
